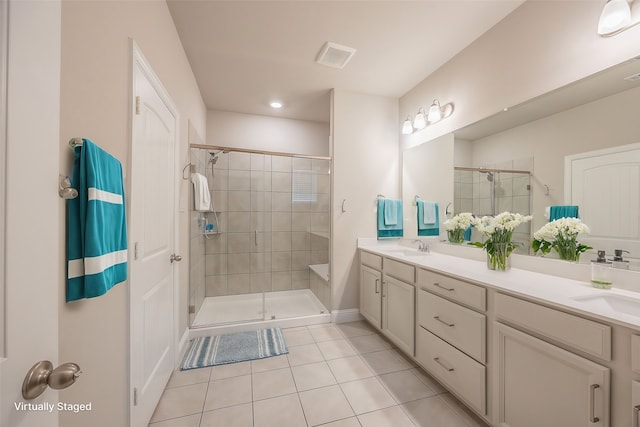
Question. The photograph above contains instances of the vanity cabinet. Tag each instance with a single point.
(398, 316)
(451, 337)
(371, 295)
(387, 298)
(540, 384)
(537, 381)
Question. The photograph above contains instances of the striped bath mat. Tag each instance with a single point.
(232, 348)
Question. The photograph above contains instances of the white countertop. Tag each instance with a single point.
(544, 288)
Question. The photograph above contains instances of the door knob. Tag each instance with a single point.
(42, 375)
(176, 258)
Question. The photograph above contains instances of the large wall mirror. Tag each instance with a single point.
(530, 142)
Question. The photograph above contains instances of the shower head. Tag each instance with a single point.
(490, 176)
(214, 155)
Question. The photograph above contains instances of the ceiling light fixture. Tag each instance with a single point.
(276, 104)
(407, 127)
(423, 119)
(617, 16)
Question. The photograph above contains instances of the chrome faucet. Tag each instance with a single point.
(422, 246)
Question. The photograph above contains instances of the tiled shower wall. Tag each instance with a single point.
(273, 221)
(472, 193)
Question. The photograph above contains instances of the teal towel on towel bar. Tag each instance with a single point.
(386, 231)
(428, 229)
(96, 224)
(566, 211)
(391, 211)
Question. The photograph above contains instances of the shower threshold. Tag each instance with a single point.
(233, 313)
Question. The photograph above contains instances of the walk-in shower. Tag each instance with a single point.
(261, 251)
(484, 191)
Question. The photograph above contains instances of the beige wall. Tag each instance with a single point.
(366, 162)
(95, 85)
(541, 46)
(609, 122)
(264, 133)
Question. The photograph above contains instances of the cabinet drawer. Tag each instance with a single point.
(457, 325)
(582, 334)
(463, 375)
(400, 270)
(372, 260)
(471, 295)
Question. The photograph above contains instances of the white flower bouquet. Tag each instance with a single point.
(561, 235)
(457, 225)
(499, 232)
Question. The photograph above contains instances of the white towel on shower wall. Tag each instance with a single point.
(201, 195)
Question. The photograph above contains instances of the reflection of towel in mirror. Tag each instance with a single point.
(201, 196)
(429, 210)
(562, 211)
(424, 228)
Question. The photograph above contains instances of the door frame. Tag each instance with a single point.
(139, 60)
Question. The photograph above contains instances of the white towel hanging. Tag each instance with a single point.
(201, 195)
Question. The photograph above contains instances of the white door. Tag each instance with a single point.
(152, 240)
(33, 261)
(603, 182)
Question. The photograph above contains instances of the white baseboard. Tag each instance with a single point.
(344, 316)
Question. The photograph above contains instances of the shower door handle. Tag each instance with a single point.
(255, 237)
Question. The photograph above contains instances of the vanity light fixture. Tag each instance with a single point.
(407, 127)
(617, 16)
(423, 119)
(420, 121)
(435, 112)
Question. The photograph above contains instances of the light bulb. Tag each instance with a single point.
(407, 128)
(420, 122)
(435, 113)
(616, 15)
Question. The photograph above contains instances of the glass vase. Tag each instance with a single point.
(456, 235)
(568, 251)
(498, 257)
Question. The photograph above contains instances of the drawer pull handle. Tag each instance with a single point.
(444, 322)
(636, 415)
(436, 284)
(437, 359)
(592, 403)
(377, 283)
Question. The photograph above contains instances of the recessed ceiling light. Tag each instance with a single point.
(276, 104)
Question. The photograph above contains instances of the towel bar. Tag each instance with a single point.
(73, 142)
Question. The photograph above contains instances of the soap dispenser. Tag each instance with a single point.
(618, 261)
(601, 272)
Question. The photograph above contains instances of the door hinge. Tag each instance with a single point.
(135, 250)
(192, 309)
(135, 396)
(137, 105)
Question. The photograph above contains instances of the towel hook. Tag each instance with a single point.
(186, 178)
(65, 190)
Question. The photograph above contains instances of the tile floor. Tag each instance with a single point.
(335, 375)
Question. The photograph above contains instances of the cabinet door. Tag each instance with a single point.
(539, 384)
(398, 309)
(371, 295)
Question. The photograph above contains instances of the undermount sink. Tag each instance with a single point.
(407, 252)
(618, 303)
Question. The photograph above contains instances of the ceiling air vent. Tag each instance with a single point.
(334, 55)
